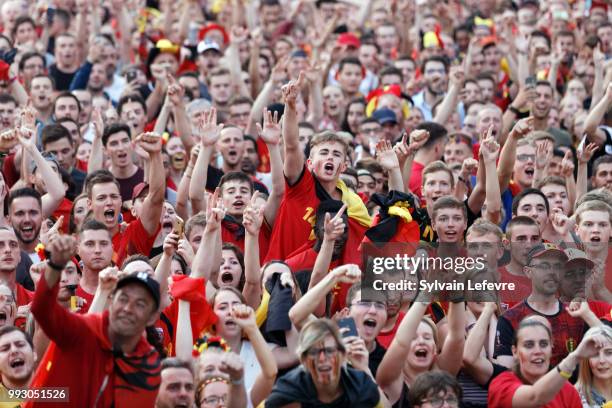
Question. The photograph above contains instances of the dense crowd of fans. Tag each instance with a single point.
(190, 190)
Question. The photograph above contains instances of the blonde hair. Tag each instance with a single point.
(593, 205)
(315, 332)
(584, 385)
(329, 136)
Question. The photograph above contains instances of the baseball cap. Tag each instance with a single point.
(578, 257)
(544, 249)
(139, 189)
(204, 46)
(145, 280)
(384, 115)
(348, 39)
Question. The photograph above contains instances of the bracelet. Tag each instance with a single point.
(564, 374)
(54, 266)
(514, 110)
(238, 382)
(464, 181)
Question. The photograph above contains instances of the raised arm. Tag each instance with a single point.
(333, 228)
(585, 154)
(244, 316)
(406, 153)
(252, 220)
(452, 350)
(489, 149)
(153, 203)
(277, 77)
(237, 36)
(545, 389)
(387, 158)
(389, 375)
(182, 195)
(107, 280)
(271, 135)
(302, 311)
(595, 117)
(55, 188)
(449, 103)
(508, 152)
(475, 360)
(464, 184)
(96, 159)
(163, 269)
(294, 156)
(209, 134)
(182, 126)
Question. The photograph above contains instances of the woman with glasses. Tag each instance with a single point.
(531, 382)
(212, 392)
(323, 379)
(595, 378)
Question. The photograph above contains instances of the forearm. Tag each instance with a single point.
(407, 171)
(182, 195)
(477, 337)
(203, 261)
(393, 362)
(162, 119)
(19, 93)
(234, 65)
(315, 105)
(448, 105)
(493, 195)
(506, 162)
(98, 304)
(183, 127)
(184, 332)
(294, 157)
(396, 182)
(264, 355)
(125, 28)
(595, 117)
(162, 273)
(570, 184)
(252, 270)
(452, 350)
(81, 35)
(552, 75)
(197, 186)
(155, 100)
(320, 270)
(308, 303)
(582, 183)
(278, 184)
(96, 158)
(538, 175)
(598, 85)
(254, 70)
(262, 100)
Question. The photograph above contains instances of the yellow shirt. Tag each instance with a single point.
(6, 401)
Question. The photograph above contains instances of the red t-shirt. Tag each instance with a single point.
(295, 218)
(416, 178)
(504, 386)
(80, 292)
(265, 233)
(23, 295)
(134, 240)
(522, 288)
(64, 209)
(81, 341)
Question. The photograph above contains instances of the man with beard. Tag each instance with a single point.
(104, 200)
(123, 368)
(17, 362)
(544, 264)
(540, 111)
(368, 308)
(250, 163)
(9, 259)
(66, 105)
(435, 74)
(309, 182)
(176, 389)
(95, 251)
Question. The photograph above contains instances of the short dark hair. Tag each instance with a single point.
(54, 132)
(601, 160)
(449, 202)
(133, 97)
(391, 70)
(66, 94)
(24, 192)
(114, 128)
(436, 132)
(175, 362)
(236, 176)
(542, 34)
(93, 225)
(349, 61)
(22, 20)
(432, 383)
(99, 177)
(435, 58)
(519, 220)
(7, 98)
(252, 140)
(30, 54)
(528, 191)
(10, 329)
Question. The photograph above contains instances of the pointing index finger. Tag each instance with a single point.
(340, 213)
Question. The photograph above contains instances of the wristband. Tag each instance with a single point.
(564, 374)
(54, 266)
(464, 181)
(514, 110)
(238, 382)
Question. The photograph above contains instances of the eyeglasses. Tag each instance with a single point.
(328, 351)
(214, 400)
(368, 304)
(437, 402)
(525, 157)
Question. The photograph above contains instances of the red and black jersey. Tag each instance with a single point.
(233, 232)
(568, 331)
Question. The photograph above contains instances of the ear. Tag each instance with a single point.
(133, 212)
(527, 271)
(342, 166)
(89, 204)
(309, 164)
(154, 318)
(514, 352)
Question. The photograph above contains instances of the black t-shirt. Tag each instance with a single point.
(375, 358)
(126, 185)
(78, 179)
(62, 79)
